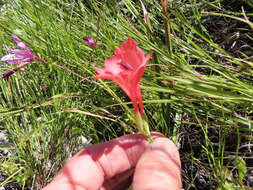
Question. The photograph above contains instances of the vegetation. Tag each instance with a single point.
(198, 88)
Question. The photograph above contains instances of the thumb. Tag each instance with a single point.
(159, 167)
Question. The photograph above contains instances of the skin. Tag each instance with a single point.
(115, 164)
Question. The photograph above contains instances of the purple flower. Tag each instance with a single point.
(89, 41)
(16, 56)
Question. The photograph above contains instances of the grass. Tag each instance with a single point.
(198, 88)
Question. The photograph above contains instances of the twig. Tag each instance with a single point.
(164, 5)
(13, 70)
(246, 18)
(22, 65)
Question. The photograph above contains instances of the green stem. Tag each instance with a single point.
(142, 125)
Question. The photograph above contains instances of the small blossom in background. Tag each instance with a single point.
(17, 56)
(21, 56)
(89, 41)
(126, 69)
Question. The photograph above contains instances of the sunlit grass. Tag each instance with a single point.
(195, 91)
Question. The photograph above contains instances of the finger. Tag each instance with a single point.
(158, 167)
(119, 182)
(90, 167)
(123, 180)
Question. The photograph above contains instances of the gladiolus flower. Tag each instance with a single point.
(89, 41)
(23, 55)
(126, 69)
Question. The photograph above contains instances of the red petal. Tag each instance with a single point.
(131, 54)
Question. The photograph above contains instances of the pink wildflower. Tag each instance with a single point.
(22, 55)
(126, 69)
(89, 41)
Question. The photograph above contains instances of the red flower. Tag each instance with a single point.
(126, 69)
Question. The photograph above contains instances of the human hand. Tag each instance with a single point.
(111, 165)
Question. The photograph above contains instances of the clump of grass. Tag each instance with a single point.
(198, 89)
